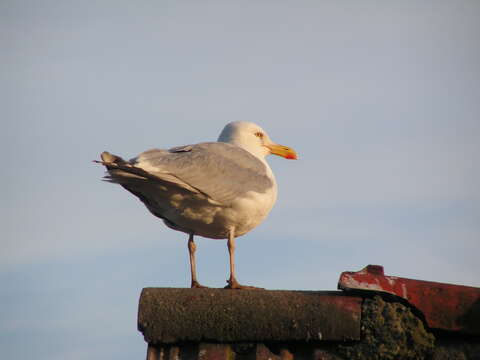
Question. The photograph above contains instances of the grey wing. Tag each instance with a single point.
(221, 171)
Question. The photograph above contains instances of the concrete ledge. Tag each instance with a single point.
(218, 324)
(169, 316)
(377, 317)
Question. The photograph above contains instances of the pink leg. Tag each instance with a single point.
(232, 281)
(192, 247)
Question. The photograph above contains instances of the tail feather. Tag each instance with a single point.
(130, 176)
(110, 158)
(121, 171)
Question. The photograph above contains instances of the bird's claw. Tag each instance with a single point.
(234, 285)
(197, 285)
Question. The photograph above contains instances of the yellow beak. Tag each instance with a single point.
(283, 151)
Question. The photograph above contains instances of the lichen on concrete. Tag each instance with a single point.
(171, 316)
(389, 331)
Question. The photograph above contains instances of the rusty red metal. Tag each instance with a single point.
(444, 306)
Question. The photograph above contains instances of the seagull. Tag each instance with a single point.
(217, 190)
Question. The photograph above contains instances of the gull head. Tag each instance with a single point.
(254, 139)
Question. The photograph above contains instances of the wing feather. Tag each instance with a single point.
(222, 171)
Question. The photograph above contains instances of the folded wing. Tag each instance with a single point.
(219, 171)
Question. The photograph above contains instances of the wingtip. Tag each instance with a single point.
(107, 157)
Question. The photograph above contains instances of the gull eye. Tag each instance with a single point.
(259, 134)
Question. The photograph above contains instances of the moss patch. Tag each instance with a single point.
(390, 331)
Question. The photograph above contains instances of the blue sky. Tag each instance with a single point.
(381, 100)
